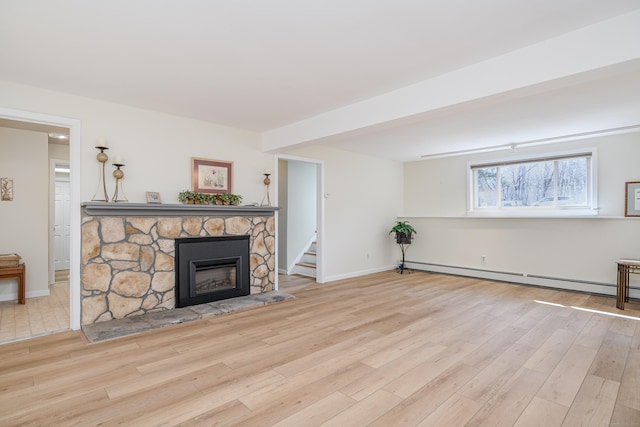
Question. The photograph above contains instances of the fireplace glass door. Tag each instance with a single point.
(213, 276)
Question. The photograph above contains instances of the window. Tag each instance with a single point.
(539, 185)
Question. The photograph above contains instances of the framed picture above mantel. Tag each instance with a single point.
(211, 176)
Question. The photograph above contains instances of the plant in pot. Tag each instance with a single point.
(187, 196)
(235, 199)
(404, 232)
(202, 199)
(223, 198)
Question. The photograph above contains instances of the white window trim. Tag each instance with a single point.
(536, 212)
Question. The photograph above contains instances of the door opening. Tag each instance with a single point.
(31, 119)
(300, 218)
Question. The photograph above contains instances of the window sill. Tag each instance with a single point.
(467, 215)
(564, 213)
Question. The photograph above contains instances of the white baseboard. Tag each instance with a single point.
(358, 273)
(31, 294)
(525, 279)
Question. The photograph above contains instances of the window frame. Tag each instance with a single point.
(547, 211)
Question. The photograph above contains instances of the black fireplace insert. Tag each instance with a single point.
(211, 269)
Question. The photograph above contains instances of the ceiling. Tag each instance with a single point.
(263, 66)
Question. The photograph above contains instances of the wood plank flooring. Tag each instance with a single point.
(415, 349)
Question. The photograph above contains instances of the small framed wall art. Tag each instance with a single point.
(632, 199)
(6, 189)
(211, 176)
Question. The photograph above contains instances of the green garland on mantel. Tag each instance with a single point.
(193, 197)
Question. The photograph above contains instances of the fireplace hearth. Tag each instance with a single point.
(211, 269)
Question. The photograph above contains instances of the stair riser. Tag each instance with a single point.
(309, 259)
(305, 271)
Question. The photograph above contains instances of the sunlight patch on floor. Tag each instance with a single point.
(590, 310)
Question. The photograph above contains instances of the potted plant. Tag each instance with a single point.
(404, 232)
(216, 200)
(223, 199)
(202, 199)
(187, 196)
(235, 199)
(227, 199)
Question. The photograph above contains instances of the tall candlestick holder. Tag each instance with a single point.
(118, 174)
(266, 200)
(102, 185)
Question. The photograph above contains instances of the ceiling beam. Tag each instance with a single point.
(596, 47)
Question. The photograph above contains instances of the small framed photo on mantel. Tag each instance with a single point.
(632, 199)
(152, 197)
(211, 176)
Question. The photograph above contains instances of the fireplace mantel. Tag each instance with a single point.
(153, 209)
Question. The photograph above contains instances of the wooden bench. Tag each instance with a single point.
(18, 272)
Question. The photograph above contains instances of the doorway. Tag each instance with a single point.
(311, 172)
(72, 126)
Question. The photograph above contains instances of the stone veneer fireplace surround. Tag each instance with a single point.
(128, 252)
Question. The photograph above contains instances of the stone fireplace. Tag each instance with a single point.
(129, 253)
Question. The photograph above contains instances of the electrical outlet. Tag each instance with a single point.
(483, 259)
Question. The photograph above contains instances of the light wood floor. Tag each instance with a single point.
(38, 316)
(383, 350)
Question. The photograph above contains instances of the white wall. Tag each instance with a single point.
(365, 197)
(301, 208)
(23, 221)
(282, 203)
(583, 249)
(59, 151)
(157, 147)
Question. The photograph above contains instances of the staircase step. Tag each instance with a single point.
(304, 270)
(305, 264)
(308, 258)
